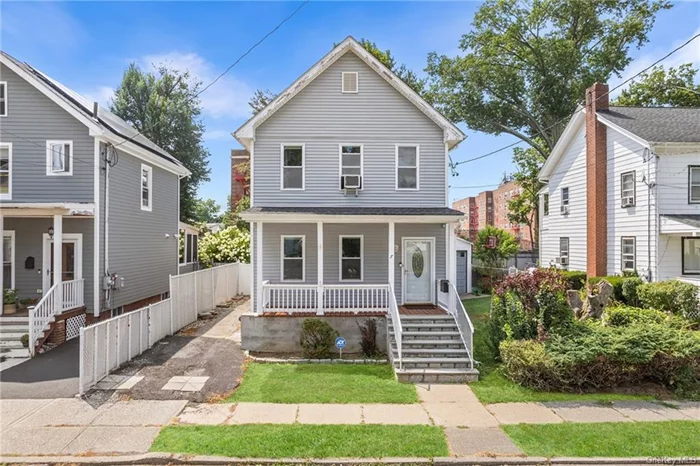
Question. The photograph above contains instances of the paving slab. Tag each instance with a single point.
(642, 411)
(264, 413)
(111, 382)
(523, 413)
(206, 413)
(395, 414)
(13, 410)
(329, 414)
(460, 414)
(129, 383)
(691, 410)
(140, 413)
(108, 439)
(480, 441)
(446, 393)
(37, 440)
(586, 412)
(63, 412)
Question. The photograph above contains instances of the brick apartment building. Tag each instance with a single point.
(491, 208)
(239, 186)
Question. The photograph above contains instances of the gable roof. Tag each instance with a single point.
(570, 131)
(656, 124)
(105, 123)
(246, 133)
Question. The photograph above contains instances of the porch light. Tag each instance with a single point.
(51, 232)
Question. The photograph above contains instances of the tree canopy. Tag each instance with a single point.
(207, 211)
(674, 87)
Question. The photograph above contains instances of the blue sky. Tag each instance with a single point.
(87, 45)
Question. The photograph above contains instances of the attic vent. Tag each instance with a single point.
(350, 82)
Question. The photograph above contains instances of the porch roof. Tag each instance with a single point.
(43, 209)
(354, 214)
(680, 224)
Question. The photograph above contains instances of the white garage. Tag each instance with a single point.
(464, 266)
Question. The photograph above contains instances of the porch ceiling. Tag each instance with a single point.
(680, 224)
(46, 209)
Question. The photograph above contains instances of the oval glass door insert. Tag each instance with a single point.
(418, 262)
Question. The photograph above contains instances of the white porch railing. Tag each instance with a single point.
(452, 304)
(289, 298)
(293, 298)
(396, 326)
(41, 315)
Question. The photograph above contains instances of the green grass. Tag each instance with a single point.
(494, 387)
(322, 383)
(672, 438)
(303, 441)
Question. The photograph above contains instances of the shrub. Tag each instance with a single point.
(526, 362)
(629, 290)
(576, 280)
(226, 245)
(622, 316)
(616, 283)
(317, 338)
(671, 296)
(528, 284)
(368, 343)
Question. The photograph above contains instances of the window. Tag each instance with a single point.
(629, 252)
(545, 204)
(5, 171)
(351, 252)
(3, 98)
(407, 162)
(293, 166)
(350, 162)
(350, 82)
(628, 191)
(189, 252)
(293, 258)
(8, 260)
(564, 250)
(564, 201)
(59, 158)
(691, 256)
(693, 184)
(146, 188)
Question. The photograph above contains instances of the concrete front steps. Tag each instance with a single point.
(433, 351)
(11, 331)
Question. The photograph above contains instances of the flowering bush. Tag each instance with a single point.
(226, 245)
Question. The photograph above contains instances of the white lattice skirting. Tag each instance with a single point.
(73, 326)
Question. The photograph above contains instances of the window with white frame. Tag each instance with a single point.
(350, 162)
(545, 204)
(292, 166)
(188, 248)
(351, 258)
(8, 260)
(564, 201)
(629, 253)
(3, 98)
(694, 184)
(350, 82)
(407, 163)
(564, 250)
(59, 158)
(293, 258)
(691, 256)
(5, 171)
(146, 187)
(628, 191)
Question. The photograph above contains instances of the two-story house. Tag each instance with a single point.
(631, 176)
(349, 215)
(74, 174)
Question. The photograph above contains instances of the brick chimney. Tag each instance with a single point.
(239, 186)
(596, 181)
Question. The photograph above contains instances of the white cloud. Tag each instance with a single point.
(102, 95)
(218, 135)
(228, 98)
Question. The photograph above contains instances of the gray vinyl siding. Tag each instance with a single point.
(321, 117)
(33, 119)
(29, 243)
(142, 245)
(272, 233)
(375, 258)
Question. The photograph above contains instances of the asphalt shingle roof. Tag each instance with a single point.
(358, 210)
(657, 124)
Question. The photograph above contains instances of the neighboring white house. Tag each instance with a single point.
(623, 192)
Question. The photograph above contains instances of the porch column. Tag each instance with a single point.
(259, 266)
(58, 262)
(319, 268)
(391, 253)
(2, 258)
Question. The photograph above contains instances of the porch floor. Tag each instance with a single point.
(22, 313)
(421, 310)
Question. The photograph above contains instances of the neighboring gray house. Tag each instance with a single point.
(349, 215)
(75, 174)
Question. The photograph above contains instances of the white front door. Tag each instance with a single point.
(72, 259)
(418, 270)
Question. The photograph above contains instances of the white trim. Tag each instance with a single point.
(149, 170)
(340, 259)
(13, 252)
(276, 217)
(6, 99)
(76, 238)
(48, 209)
(49, 157)
(447, 175)
(187, 232)
(622, 252)
(566, 138)
(431, 240)
(8, 195)
(97, 280)
(624, 132)
(282, 258)
(396, 167)
(342, 82)
(282, 166)
(362, 164)
(252, 173)
(145, 155)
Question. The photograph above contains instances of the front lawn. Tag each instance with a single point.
(322, 383)
(303, 441)
(621, 439)
(494, 387)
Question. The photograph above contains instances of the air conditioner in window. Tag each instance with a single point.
(565, 209)
(627, 201)
(352, 182)
(564, 261)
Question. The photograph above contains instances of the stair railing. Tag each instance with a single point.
(396, 325)
(464, 323)
(41, 315)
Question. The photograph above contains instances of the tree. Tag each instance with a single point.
(261, 99)
(674, 87)
(527, 64)
(163, 106)
(493, 247)
(524, 208)
(207, 211)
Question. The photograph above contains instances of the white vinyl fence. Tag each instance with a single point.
(107, 345)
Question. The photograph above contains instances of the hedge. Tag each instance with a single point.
(671, 296)
(616, 283)
(576, 280)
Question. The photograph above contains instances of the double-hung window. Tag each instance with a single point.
(59, 158)
(629, 253)
(564, 251)
(293, 269)
(694, 184)
(3, 98)
(628, 193)
(351, 258)
(350, 162)
(8, 260)
(293, 166)
(545, 204)
(691, 256)
(407, 171)
(5, 170)
(146, 187)
(564, 201)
